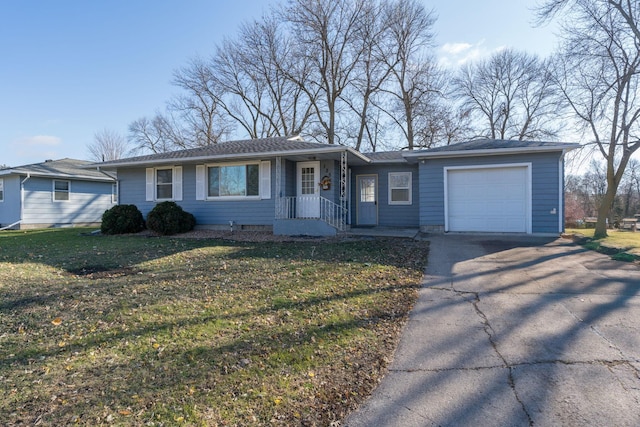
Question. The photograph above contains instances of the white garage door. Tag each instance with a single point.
(488, 199)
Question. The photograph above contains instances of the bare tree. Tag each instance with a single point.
(157, 135)
(198, 107)
(600, 80)
(369, 76)
(345, 71)
(415, 93)
(326, 39)
(511, 95)
(107, 145)
(253, 90)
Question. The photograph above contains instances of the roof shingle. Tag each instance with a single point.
(236, 148)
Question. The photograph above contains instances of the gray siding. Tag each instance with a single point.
(545, 188)
(10, 206)
(87, 202)
(389, 215)
(207, 212)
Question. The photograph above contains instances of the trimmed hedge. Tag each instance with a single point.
(122, 219)
(169, 218)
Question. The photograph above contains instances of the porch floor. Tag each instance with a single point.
(409, 233)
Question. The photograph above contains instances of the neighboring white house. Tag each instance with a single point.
(55, 193)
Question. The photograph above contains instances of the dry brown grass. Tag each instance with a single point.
(134, 330)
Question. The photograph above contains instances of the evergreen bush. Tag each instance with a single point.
(122, 219)
(169, 218)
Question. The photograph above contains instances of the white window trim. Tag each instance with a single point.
(115, 191)
(155, 183)
(1, 190)
(152, 181)
(410, 188)
(202, 181)
(53, 192)
(265, 179)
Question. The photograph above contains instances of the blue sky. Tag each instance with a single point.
(70, 68)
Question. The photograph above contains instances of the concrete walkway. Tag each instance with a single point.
(515, 331)
(407, 233)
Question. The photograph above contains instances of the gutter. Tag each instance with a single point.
(488, 152)
(54, 176)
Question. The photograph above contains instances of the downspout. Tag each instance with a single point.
(22, 195)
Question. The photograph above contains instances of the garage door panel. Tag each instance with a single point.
(490, 199)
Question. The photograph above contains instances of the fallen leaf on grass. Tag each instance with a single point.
(57, 321)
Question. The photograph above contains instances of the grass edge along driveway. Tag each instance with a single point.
(620, 244)
(129, 330)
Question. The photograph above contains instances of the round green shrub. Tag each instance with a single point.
(122, 219)
(169, 218)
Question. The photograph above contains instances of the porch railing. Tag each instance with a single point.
(312, 207)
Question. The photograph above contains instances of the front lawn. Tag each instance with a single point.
(624, 241)
(130, 330)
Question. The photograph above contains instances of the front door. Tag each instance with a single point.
(308, 194)
(367, 198)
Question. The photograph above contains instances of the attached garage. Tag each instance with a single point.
(488, 198)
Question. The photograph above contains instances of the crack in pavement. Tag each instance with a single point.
(491, 333)
(475, 298)
(475, 301)
(610, 363)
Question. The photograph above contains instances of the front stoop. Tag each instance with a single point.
(303, 227)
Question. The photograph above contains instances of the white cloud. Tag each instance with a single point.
(453, 55)
(455, 48)
(33, 149)
(39, 140)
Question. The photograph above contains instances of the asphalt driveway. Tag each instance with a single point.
(515, 331)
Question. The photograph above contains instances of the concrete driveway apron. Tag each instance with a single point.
(515, 331)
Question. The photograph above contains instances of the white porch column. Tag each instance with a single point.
(278, 188)
(343, 186)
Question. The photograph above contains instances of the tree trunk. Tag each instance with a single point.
(603, 212)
